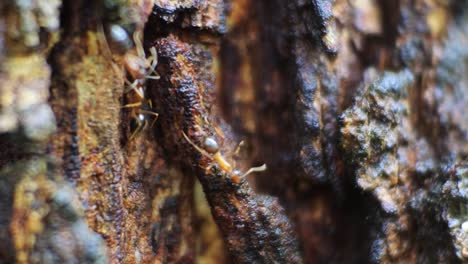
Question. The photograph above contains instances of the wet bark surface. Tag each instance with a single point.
(120, 123)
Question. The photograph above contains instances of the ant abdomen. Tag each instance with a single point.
(211, 145)
(119, 39)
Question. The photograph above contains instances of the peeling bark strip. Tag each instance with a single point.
(86, 96)
(315, 114)
(255, 228)
(41, 213)
(85, 92)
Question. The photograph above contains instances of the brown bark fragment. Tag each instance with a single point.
(121, 181)
(357, 108)
(249, 224)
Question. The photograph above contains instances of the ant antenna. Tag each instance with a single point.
(254, 169)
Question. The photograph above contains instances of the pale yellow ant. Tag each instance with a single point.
(211, 150)
(140, 69)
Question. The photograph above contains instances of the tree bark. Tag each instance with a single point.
(356, 108)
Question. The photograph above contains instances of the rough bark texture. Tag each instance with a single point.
(357, 108)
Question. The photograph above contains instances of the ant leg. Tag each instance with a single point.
(137, 130)
(133, 87)
(131, 105)
(153, 77)
(138, 44)
(239, 146)
(141, 127)
(153, 59)
(219, 132)
(144, 125)
(133, 84)
(153, 62)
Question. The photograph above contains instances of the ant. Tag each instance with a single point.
(140, 68)
(211, 150)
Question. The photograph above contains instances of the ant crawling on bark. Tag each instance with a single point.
(211, 150)
(139, 69)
